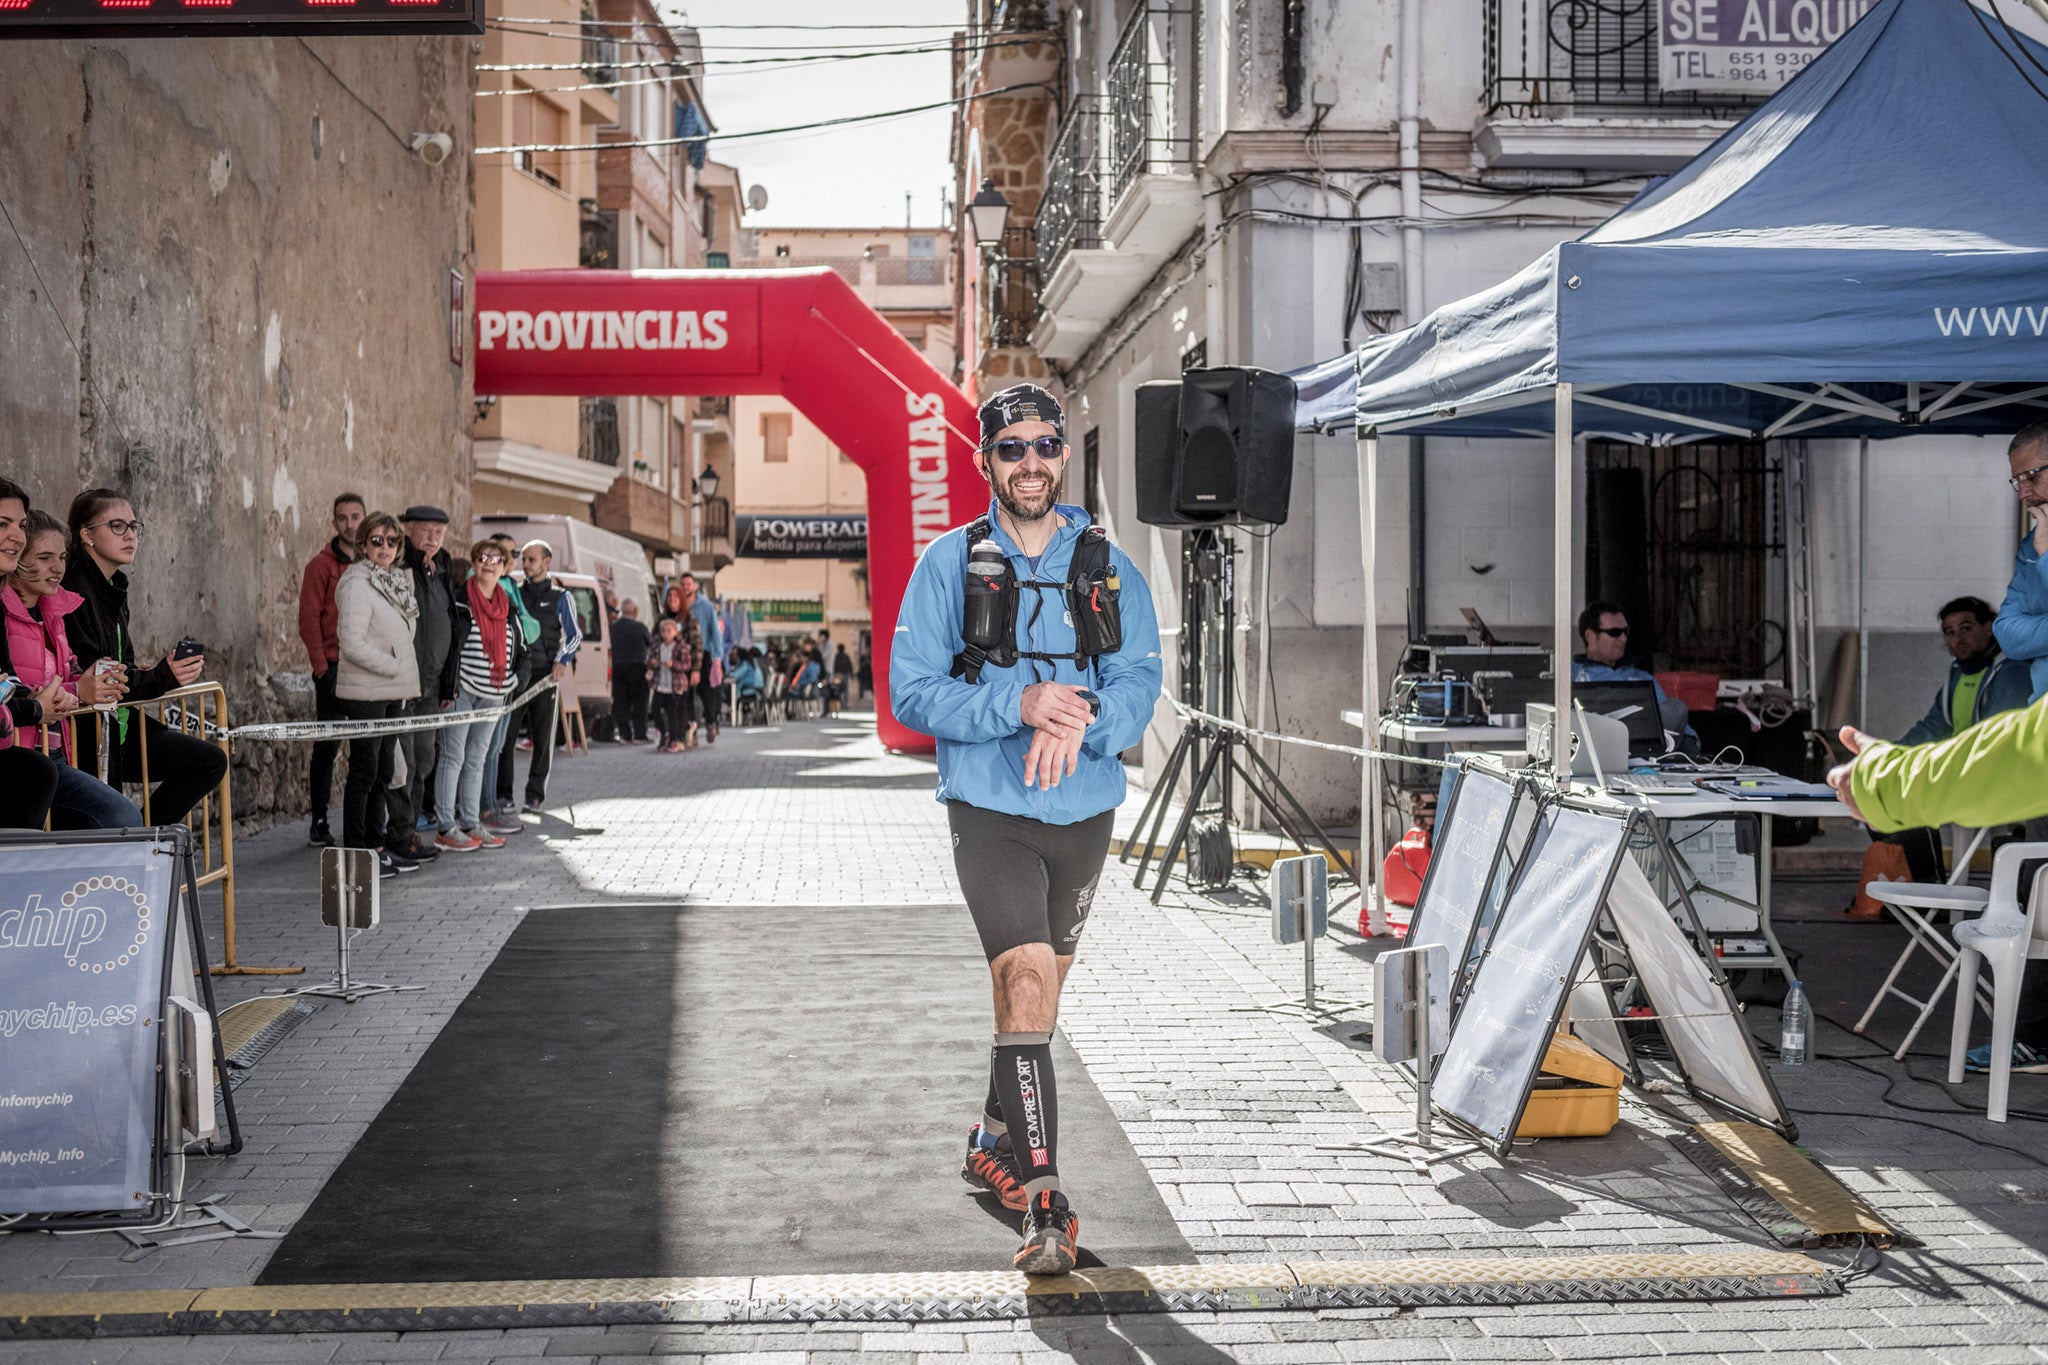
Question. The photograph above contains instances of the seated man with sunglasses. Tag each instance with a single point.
(1603, 627)
(1027, 645)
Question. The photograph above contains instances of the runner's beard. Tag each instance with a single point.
(1023, 512)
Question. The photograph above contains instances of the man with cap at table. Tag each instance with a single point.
(434, 588)
(1032, 696)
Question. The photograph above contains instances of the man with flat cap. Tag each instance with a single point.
(434, 588)
(1028, 647)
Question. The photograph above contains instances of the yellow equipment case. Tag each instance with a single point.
(1577, 1093)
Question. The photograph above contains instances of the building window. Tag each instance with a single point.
(775, 428)
(536, 123)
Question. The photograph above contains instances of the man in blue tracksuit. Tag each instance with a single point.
(1028, 769)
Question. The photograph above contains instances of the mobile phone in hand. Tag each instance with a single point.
(186, 648)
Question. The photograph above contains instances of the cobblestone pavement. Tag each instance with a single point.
(1226, 1107)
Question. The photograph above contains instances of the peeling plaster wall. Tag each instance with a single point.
(238, 306)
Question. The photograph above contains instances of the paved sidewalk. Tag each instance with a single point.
(1225, 1106)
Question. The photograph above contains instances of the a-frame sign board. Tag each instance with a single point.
(1577, 862)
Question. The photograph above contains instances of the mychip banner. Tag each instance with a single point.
(1510, 1012)
(1745, 47)
(776, 536)
(84, 930)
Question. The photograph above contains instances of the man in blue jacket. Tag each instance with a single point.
(1029, 773)
(2022, 626)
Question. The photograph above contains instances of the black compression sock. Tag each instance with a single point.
(1023, 1079)
(992, 1107)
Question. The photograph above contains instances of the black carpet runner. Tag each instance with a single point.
(652, 1091)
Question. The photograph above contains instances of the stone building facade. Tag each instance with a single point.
(236, 292)
(1001, 138)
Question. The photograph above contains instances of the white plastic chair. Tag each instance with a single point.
(2009, 933)
(1917, 905)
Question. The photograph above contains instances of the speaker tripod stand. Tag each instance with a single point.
(1217, 751)
(1225, 752)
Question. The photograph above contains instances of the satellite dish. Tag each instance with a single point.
(757, 198)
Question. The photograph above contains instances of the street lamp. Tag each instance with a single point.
(989, 211)
(707, 483)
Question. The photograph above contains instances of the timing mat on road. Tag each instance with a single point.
(664, 1090)
(910, 1298)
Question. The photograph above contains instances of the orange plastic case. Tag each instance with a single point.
(1577, 1093)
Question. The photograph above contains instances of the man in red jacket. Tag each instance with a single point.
(317, 627)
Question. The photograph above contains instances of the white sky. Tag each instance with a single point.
(843, 177)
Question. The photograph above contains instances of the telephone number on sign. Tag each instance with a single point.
(1745, 67)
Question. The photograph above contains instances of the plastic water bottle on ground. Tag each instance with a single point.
(1796, 1023)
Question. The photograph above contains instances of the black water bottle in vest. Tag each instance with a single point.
(988, 588)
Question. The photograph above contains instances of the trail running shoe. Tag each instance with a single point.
(992, 1169)
(486, 839)
(455, 841)
(1050, 1231)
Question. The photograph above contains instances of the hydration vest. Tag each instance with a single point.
(988, 627)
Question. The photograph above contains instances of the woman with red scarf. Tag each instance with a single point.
(483, 666)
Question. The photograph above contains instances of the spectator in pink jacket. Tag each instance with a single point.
(35, 603)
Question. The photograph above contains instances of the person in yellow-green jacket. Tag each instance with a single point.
(1994, 773)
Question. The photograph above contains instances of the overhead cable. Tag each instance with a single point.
(681, 21)
(796, 55)
(760, 132)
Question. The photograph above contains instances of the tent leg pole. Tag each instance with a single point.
(1369, 692)
(1862, 583)
(1561, 585)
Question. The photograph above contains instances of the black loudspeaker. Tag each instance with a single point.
(1157, 451)
(1215, 449)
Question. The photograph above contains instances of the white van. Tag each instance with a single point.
(615, 561)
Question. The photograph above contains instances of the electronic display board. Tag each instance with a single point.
(233, 18)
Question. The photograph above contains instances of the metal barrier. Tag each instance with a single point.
(201, 712)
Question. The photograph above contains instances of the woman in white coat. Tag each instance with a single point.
(377, 674)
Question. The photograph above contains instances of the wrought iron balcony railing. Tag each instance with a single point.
(597, 438)
(1070, 213)
(1013, 289)
(1152, 94)
(600, 53)
(1556, 58)
(1019, 16)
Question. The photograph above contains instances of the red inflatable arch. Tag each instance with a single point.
(803, 334)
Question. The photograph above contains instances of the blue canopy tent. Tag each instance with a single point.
(1865, 255)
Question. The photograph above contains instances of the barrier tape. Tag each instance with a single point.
(1375, 755)
(299, 730)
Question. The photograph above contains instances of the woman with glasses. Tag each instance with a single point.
(376, 675)
(35, 603)
(105, 534)
(483, 667)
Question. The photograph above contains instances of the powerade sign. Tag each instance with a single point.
(762, 536)
(83, 935)
(1745, 47)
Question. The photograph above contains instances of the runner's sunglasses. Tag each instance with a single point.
(1014, 448)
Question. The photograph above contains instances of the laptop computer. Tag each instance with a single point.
(1634, 704)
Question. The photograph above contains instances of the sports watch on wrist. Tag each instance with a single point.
(1094, 704)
